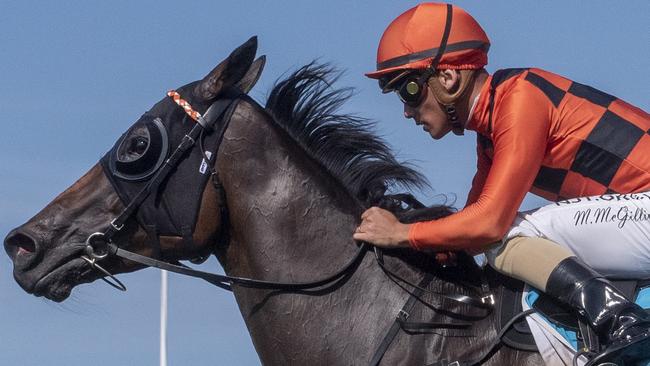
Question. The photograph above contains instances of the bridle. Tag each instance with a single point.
(100, 245)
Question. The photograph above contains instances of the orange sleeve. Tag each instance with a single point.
(483, 164)
(520, 133)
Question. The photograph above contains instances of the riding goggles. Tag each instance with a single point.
(410, 87)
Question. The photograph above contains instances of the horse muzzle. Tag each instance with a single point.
(35, 264)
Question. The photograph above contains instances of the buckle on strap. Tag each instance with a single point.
(488, 299)
(115, 227)
(190, 139)
(403, 315)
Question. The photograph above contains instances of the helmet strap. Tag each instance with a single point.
(448, 100)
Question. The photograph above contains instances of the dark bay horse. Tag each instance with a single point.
(290, 182)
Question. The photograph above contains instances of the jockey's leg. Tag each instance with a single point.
(609, 232)
(529, 259)
(622, 326)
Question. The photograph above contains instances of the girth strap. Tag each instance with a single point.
(402, 323)
(492, 347)
(401, 317)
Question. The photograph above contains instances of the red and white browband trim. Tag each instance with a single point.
(183, 103)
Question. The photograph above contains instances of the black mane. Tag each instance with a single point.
(306, 106)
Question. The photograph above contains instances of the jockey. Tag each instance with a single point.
(537, 132)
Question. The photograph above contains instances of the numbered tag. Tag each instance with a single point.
(204, 164)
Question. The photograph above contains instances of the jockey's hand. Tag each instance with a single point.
(381, 228)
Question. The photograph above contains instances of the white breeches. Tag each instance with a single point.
(611, 232)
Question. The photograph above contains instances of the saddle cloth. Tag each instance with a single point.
(557, 343)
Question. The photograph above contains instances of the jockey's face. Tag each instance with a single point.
(429, 114)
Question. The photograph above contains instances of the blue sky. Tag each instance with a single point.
(75, 74)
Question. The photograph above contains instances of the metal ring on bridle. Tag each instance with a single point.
(111, 280)
(91, 248)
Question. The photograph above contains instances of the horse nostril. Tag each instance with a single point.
(19, 244)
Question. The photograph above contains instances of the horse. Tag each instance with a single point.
(275, 194)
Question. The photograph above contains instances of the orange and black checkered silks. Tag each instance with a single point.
(542, 133)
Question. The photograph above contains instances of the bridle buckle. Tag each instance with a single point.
(403, 314)
(488, 299)
(115, 227)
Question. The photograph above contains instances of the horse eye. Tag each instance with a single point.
(138, 145)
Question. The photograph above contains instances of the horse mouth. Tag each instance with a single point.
(58, 283)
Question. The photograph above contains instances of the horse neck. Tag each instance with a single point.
(291, 221)
(288, 217)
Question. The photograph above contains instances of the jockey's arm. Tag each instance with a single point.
(483, 164)
(520, 136)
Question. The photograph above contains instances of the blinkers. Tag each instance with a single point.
(140, 151)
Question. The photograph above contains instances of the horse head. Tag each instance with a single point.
(179, 217)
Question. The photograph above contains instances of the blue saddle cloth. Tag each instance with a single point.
(643, 300)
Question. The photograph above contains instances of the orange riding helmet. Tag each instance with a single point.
(413, 40)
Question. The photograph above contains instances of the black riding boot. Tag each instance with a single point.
(622, 326)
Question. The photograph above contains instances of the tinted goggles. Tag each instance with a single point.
(409, 87)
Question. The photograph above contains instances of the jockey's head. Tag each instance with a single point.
(429, 55)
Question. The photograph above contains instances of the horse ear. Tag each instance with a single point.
(228, 72)
(252, 75)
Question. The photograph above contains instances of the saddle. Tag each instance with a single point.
(519, 335)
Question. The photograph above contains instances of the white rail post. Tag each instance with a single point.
(163, 318)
